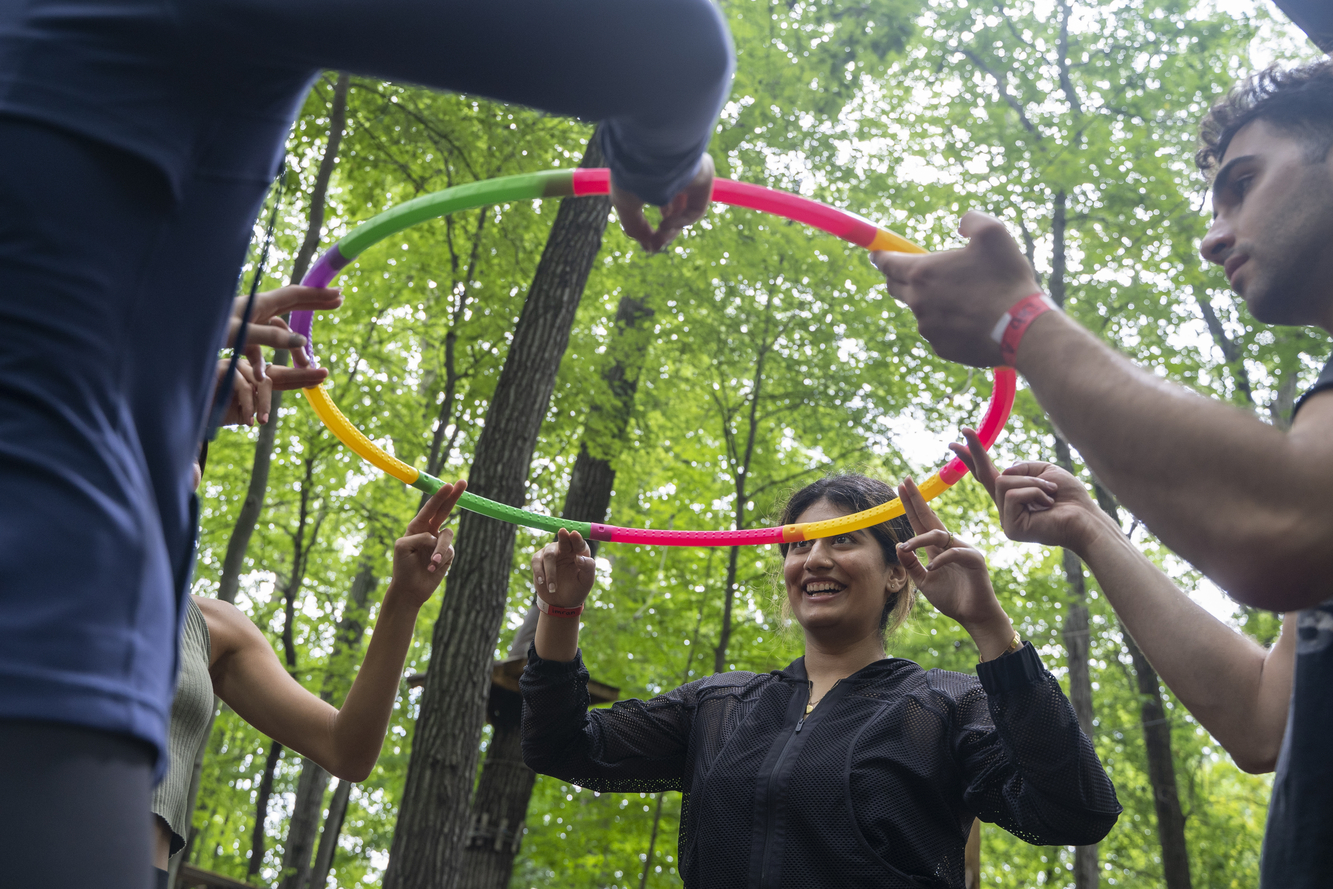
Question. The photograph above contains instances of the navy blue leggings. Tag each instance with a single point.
(73, 808)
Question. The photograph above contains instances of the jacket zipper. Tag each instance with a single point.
(770, 792)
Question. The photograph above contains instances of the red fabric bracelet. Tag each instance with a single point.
(1014, 323)
(557, 610)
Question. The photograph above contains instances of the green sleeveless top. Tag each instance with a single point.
(190, 713)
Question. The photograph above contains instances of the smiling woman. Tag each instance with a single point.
(847, 768)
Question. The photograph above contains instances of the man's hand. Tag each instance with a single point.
(1038, 502)
(252, 395)
(959, 295)
(686, 208)
(422, 556)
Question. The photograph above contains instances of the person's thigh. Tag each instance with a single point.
(88, 605)
(74, 808)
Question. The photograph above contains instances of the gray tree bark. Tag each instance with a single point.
(1157, 744)
(433, 822)
(1087, 871)
(253, 505)
(501, 802)
(328, 839)
(314, 781)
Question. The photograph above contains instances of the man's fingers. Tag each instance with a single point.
(1025, 500)
(974, 223)
(284, 379)
(980, 463)
(896, 267)
(632, 220)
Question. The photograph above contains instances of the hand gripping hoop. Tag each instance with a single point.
(577, 183)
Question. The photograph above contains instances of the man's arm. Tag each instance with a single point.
(1214, 483)
(1236, 689)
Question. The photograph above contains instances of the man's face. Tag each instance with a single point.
(1272, 228)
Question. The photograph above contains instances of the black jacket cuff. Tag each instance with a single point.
(1011, 672)
(554, 669)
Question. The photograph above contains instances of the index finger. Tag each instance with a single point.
(295, 296)
(919, 514)
(437, 509)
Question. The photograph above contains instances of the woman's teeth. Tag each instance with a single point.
(823, 589)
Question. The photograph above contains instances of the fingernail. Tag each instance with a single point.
(550, 588)
(264, 419)
(296, 340)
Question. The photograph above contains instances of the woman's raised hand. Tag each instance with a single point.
(563, 571)
(422, 556)
(956, 580)
(1038, 502)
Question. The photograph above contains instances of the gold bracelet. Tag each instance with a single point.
(1015, 644)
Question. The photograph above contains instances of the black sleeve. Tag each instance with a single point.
(635, 745)
(1027, 765)
(655, 71)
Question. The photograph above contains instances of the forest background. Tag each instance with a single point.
(751, 357)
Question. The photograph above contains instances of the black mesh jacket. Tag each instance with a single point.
(876, 787)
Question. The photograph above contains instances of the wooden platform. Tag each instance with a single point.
(505, 674)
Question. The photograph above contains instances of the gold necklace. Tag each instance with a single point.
(811, 706)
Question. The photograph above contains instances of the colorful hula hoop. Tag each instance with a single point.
(577, 183)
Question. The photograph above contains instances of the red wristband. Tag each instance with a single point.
(1014, 323)
(557, 610)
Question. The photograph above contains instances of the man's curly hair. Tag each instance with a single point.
(1298, 101)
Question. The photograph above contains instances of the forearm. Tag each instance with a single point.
(1204, 476)
(1226, 680)
(557, 638)
(359, 727)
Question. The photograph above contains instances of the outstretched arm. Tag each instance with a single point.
(1203, 475)
(250, 678)
(1236, 689)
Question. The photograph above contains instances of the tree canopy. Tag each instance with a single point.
(773, 355)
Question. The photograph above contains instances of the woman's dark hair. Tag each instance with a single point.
(1297, 100)
(854, 493)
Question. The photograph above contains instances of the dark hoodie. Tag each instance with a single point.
(878, 786)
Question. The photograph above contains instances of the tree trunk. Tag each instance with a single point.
(433, 821)
(304, 824)
(1157, 744)
(501, 802)
(328, 840)
(1161, 771)
(652, 844)
(261, 809)
(253, 505)
(1087, 872)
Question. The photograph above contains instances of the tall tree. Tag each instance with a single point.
(501, 800)
(314, 780)
(1157, 744)
(436, 801)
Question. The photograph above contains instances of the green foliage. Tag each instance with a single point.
(773, 355)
